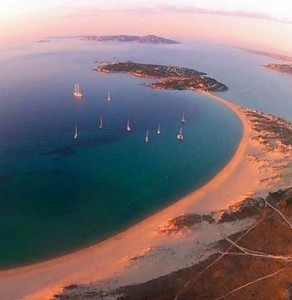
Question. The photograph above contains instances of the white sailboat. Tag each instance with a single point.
(180, 135)
(183, 120)
(101, 123)
(147, 136)
(128, 126)
(76, 133)
(108, 96)
(77, 92)
(158, 129)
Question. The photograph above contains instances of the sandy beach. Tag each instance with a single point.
(144, 252)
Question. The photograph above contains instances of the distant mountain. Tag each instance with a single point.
(148, 39)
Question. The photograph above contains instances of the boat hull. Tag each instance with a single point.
(76, 94)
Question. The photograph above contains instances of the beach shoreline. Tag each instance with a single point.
(111, 258)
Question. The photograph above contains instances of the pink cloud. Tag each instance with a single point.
(202, 11)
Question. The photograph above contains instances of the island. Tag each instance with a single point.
(148, 39)
(43, 41)
(283, 68)
(170, 77)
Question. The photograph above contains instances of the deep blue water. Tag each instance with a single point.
(58, 194)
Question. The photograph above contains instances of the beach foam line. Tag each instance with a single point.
(111, 257)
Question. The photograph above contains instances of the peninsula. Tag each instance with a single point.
(147, 39)
(283, 68)
(268, 54)
(170, 77)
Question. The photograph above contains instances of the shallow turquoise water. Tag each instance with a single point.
(59, 194)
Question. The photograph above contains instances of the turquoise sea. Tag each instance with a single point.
(58, 194)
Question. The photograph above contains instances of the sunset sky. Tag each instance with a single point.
(260, 24)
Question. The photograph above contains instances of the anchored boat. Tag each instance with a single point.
(101, 123)
(158, 129)
(183, 120)
(147, 136)
(76, 133)
(77, 92)
(128, 126)
(180, 136)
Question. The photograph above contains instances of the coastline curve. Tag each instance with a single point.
(101, 261)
